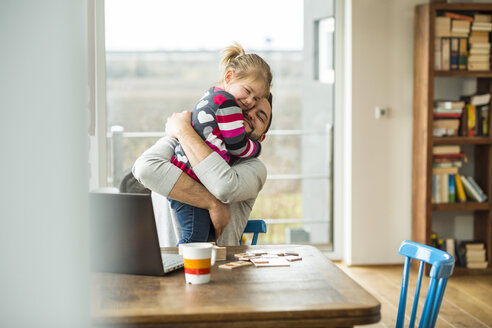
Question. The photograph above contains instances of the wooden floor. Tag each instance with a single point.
(467, 300)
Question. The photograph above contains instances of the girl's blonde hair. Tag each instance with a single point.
(246, 66)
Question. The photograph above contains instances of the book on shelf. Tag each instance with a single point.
(460, 192)
(458, 16)
(449, 246)
(471, 192)
(479, 99)
(475, 119)
(480, 45)
(443, 112)
(440, 105)
(440, 188)
(479, 51)
(477, 188)
(442, 26)
(447, 115)
(460, 28)
(437, 54)
(482, 18)
(445, 53)
(475, 255)
(447, 163)
(445, 170)
(478, 66)
(477, 265)
(455, 159)
(444, 188)
(455, 53)
(446, 149)
(472, 120)
(479, 58)
(463, 129)
(445, 127)
(463, 54)
(436, 189)
(438, 157)
(478, 37)
(473, 245)
(484, 113)
(452, 187)
(481, 26)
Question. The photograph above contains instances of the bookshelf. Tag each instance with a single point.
(426, 86)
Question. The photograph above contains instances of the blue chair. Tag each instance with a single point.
(442, 265)
(255, 227)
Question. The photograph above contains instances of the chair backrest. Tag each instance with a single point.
(255, 227)
(442, 265)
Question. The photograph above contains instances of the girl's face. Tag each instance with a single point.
(246, 92)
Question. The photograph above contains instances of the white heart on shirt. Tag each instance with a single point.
(182, 159)
(201, 104)
(204, 117)
(206, 131)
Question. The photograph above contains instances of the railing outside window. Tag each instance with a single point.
(117, 135)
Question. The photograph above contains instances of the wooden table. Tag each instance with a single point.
(310, 293)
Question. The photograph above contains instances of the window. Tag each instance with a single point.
(161, 57)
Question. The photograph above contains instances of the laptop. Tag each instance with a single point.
(124, 236)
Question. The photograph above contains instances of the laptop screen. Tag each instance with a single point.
(123, 234)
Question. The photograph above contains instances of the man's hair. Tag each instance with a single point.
(270, 101)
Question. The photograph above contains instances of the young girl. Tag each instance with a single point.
(218, 119)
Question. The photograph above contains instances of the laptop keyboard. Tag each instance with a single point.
(172, 262)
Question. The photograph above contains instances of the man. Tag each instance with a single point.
(236, 185)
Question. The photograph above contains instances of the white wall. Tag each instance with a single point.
(382, 75)
(43, 134)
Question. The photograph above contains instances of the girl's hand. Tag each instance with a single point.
(178, 123)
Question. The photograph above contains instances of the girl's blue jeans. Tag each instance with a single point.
(195, 223)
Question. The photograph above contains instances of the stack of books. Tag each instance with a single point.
(460, 27)
(475, 115)
(479, 53)
(447, 117)
(451, 43)
(446, 162)
(448, 186)
(475, 256)
(462, 42)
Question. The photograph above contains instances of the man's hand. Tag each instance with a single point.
(178, 124)
(220, 216)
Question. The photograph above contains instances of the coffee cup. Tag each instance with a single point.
(198, 261)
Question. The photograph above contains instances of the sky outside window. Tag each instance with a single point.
(150, 25)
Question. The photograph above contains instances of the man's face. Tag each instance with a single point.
(256, 119)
